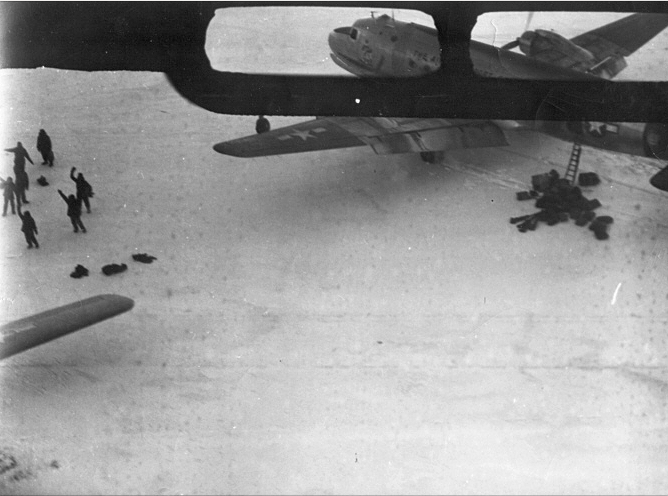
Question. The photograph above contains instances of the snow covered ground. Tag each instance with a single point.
(332, 322)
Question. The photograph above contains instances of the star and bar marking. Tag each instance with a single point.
(600, 129)
(304, 135)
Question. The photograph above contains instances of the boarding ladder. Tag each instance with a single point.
(573, 163)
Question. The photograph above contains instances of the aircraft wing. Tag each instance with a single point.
(621, 37)
(32, 331)
(624, 36)
(384, 135)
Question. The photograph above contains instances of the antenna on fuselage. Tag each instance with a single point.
(373, 16)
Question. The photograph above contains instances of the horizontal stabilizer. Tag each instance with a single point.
(26, 333)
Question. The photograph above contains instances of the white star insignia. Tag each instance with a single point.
(596, 128)
(304, 135)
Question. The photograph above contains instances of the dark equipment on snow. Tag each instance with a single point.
(600, 226)
(144, 258)
(588, 179)
(79, 272)
(561, 200)
(113, 268)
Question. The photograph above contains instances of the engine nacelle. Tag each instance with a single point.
(533, 43)
(655, 140)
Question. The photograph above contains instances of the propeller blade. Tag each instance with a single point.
(529, 17)
(516, 43)
(511, 45)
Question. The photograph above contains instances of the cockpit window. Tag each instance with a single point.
(353, 33)
(345, 30)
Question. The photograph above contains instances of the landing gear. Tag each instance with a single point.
(262, 125)
(431, 157)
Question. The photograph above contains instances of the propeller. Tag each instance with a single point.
(516, 42)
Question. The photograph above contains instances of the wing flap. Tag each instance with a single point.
(474, 135)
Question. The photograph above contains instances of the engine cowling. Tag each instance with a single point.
(655, 140)
(533, 43)
(540, 41)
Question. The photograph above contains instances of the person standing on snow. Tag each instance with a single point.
(84, 189)
(44, 147)
(29, 227)
(20, 156)
(20, 186)
(73, 211)
(8, 186)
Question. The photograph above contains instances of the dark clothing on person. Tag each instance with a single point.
(20, 186)
(84, 189)
(20, 156)
(44, 147)
(262, 125)
(73, 211)
(29, 228)
(9, 187)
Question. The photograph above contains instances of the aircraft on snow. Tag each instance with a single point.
(380, 46)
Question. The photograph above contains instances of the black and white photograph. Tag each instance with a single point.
(213, 288)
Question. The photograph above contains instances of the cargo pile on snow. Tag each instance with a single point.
(559, 201)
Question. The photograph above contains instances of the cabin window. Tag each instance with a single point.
(393, 38)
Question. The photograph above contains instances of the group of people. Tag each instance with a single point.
(16, 189)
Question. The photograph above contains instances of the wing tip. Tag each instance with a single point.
(123, 303)
(228, 148)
